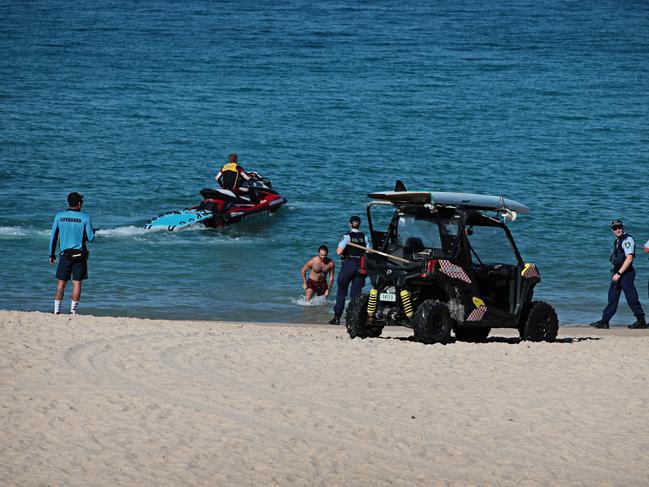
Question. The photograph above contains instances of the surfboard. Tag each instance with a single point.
(469, 200)
(402, 196)
(177, 220)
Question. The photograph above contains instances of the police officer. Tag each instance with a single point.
(350, 270)
(622, 279)
(645, 249)
(73, 229)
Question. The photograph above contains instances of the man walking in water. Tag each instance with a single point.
(73, 229)
(320, 266)
(350, 272)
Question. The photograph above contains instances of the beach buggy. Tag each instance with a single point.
(447, 263)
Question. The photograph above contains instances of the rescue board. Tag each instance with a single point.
(469, 200)
(178, 220)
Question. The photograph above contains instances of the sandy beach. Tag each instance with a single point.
(122, 401)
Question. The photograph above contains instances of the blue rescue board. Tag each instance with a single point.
(177, 220)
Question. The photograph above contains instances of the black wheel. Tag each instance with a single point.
(541, 324)
(466, 334)
(432, 322)
(356, 319)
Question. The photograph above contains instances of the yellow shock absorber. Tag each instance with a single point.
(407, 305)
(371, 304)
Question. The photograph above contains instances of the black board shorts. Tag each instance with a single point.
(66, 269)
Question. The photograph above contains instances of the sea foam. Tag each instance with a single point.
(315, 301)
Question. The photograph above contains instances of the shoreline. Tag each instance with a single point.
(617, 329)
(130, 401)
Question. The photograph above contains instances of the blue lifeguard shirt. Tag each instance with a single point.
(72, 228)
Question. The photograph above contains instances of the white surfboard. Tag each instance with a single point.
(469, 200)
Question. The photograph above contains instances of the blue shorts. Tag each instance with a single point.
(78, 271)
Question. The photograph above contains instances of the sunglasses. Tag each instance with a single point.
(616, 228)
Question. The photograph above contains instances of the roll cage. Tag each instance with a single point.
(453, 237)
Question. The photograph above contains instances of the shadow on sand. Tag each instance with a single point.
(496, 339)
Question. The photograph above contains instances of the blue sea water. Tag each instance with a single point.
(137, 104)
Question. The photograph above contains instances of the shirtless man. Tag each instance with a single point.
(320, 266)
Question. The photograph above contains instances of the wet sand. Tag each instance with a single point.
(121, 401)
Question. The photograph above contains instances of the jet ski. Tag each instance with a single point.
(221, 207)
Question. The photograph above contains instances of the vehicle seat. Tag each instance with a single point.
(413, 245)
(396, 250)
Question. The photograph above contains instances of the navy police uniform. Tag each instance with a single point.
(350, 269)
(646, 246)
(622, 247)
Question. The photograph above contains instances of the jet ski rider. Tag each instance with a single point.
(231, 175)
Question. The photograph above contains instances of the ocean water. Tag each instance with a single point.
(137, 104)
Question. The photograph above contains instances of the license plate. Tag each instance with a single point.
(388, 297)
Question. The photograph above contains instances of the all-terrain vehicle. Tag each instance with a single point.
(446, 263)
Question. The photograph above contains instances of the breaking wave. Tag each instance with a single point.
(21, 232)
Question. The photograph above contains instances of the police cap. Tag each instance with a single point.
(356, 219)
(617, 223)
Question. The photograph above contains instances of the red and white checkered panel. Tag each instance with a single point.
(454, 271)
(530, 271)
(477, 314)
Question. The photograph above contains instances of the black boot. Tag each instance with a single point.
(335, 320)
(640, 323)
(600, 324)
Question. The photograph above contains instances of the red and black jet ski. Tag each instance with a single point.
(221, 207)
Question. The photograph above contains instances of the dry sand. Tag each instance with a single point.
(120, 401)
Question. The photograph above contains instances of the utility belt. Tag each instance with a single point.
(76, 255)
(357, 261)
